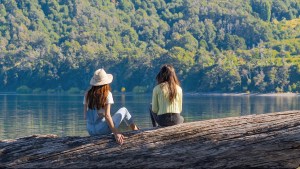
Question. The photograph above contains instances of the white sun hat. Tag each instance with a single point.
(101, 78)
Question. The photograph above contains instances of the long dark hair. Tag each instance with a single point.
(167, 74)
(96, 96)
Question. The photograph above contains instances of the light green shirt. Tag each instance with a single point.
(161, 103)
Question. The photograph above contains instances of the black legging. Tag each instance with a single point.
(168, 119)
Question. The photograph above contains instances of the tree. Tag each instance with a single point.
(263, 8)
(282, 78)
(48, 41)
(259, 81)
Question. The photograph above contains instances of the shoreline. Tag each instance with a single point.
(242, 94)
(288, 94)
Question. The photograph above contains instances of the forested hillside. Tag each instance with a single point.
(215, 45)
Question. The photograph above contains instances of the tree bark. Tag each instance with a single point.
(254, 141)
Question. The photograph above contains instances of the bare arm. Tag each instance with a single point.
(155, 106)
(119, 137)
(180, 101)
(84, 106)
(84, 111)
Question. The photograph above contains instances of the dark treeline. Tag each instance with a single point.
(227, 46)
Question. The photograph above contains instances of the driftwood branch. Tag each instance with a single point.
(254, 141)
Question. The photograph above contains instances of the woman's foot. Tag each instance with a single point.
(134, 127)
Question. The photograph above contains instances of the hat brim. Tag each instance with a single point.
(109, 78)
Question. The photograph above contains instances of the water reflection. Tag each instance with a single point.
(23, 115)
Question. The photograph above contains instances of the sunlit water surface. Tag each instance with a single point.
(24, 115)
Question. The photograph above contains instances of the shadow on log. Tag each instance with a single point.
(254, 141)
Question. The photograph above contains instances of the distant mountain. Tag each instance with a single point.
(228, 46)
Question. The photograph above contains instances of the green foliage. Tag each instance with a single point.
(139, 89)
(296, 87)
(37, 91)
(23, 89)
(51, 91)
(263, 8)
(278, 90)
(281, 10)
(239, 45)
(73, 90)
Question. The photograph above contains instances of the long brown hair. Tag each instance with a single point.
(96, 96)
(167, 74)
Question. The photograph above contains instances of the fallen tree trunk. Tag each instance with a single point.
(254, 141)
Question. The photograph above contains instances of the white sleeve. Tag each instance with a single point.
(109, 99)
(83, 99)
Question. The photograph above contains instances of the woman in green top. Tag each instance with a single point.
(166, 98)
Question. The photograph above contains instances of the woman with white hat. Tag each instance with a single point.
(97, 104)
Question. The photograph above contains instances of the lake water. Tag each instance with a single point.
(24, 115)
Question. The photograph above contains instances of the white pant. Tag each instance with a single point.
(98, 126)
